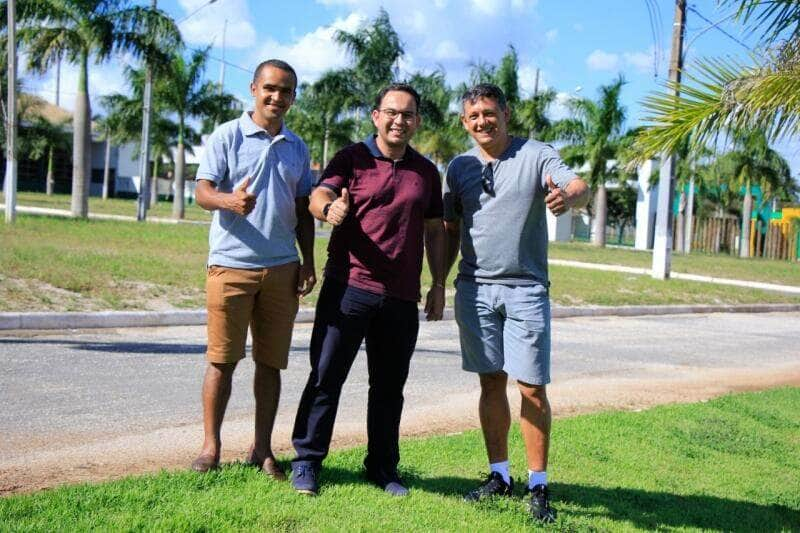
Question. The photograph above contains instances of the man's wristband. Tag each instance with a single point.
(326, 209)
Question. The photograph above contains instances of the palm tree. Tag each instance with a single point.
(41, 137)
(441, 135)
(533, 115)
(375, 50)
(753, 162)
(724, 95)
(596, 134)
(80, 30)
(185, 93)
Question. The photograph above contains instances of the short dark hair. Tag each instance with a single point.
(404, 87)
(275, 63)
(484, 90)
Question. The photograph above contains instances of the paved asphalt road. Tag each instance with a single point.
(96, 385)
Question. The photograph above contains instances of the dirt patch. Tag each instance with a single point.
(91, 460)
(24, 295)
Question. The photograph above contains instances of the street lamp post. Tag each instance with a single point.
(10, 188)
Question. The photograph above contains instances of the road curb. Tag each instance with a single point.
(197, 317)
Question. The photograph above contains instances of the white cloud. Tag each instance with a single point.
(448, 49)
(551, 35)
(642, 61)
(488, 7)
(206, 22)
(313, 53)
(527, 79)
(600, 60)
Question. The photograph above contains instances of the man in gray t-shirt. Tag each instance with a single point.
(495, 197)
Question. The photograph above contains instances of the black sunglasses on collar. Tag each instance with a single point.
(487, 179)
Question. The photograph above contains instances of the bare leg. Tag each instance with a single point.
(535, 420)
(495, 415)
(267, 391)
(216, 392)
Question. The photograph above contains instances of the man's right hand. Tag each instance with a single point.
(339, 208)
(240, 201)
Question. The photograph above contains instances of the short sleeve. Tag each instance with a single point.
(450, 200)
(335, 175)
(551, 164)
(213, 165)
(306, 181)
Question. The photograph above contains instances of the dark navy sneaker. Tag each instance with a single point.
(539, 504)
(494, 485)
(304, 478)
(390, 483)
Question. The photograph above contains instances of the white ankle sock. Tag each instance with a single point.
(536, 478)
(502, 469)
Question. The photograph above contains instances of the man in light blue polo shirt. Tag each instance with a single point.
(255, 176)
(495, 197)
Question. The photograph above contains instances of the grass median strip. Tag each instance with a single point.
(58, 264)
(728, 464)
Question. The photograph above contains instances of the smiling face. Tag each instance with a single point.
(273, 94)
(486, 122)
(396, 119)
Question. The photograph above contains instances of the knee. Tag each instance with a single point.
(535, 394)
(493, 384)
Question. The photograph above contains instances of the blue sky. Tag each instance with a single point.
(578, 45)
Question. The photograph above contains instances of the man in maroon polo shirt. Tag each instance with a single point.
(383, 200)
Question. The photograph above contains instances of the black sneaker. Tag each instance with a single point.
(304, 478)
(539, 504)
(493, 486)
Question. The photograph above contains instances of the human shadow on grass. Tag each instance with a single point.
(645, 509)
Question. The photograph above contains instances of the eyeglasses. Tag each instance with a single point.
(391, 114)
(487, 179)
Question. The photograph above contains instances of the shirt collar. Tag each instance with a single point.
(249, 128)
(372, 144)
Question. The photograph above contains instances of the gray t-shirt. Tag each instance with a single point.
(280, 172)
(504, 237)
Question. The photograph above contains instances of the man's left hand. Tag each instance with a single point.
(306, 280)
(556, 198)
(434, 303)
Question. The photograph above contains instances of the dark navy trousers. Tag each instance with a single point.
(345, 317)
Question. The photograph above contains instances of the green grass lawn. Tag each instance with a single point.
(112, 206)
(50, 263)
(730, 464)
(717, 265)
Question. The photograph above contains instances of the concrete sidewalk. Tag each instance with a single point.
(197, 317)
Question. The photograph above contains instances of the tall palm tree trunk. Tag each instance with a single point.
(600, 215)
(107, 169)
(177, 204)
(50, 180)
(154, 183)
(680, 224)
(81, 144)
(747, 212)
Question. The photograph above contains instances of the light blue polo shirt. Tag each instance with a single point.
(280, 170)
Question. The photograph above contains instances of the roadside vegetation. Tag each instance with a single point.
(49, 263)
(728, 464)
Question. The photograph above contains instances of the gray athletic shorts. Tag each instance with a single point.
(504, 327)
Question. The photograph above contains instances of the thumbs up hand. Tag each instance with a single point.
(240, 201)
(556, 198)
(339, 208)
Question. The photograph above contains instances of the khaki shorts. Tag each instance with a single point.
(265, 299)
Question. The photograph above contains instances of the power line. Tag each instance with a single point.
(715, 25)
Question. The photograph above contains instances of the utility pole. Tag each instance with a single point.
(144, 152)
(10, 188)
(222, 69)
(662, 245)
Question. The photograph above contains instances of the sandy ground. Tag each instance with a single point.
(82, 458)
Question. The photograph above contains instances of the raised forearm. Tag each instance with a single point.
(320, 197)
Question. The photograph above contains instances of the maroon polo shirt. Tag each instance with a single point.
(379, 246)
